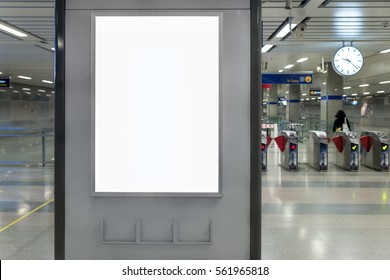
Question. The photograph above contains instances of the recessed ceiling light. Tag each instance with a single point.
(285, 30)
(266, 48)
(12, 30)
(1, 73)
(289, 66)
(324, 83)
(24, 77)
(303, 59)
(385, 51)
(47, 82)
(347, 87)
(384, 82)
(364, 85)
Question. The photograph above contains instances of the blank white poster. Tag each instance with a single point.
(156, 104)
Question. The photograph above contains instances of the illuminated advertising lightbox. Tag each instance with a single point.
(156, 128)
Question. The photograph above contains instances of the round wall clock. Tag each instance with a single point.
(347, 61)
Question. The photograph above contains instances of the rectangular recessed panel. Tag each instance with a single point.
(156, 93)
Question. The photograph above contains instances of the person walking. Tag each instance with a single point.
(341, 122)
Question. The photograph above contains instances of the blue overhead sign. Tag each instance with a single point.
(288, 78)
(5, 82)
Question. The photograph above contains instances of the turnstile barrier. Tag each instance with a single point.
(317, 150)
(265, 141)
(375, 150)
(288, 145)
(347, 144)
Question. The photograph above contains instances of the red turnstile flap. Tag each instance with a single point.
(338, 142)
(269, 139)
(281, 141)
(366, 142)
(329, 140)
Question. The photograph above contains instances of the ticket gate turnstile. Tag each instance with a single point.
(288, 145)
(375, 150)
(317, 150)
(265, 141)
(263, 151)
(347, 144)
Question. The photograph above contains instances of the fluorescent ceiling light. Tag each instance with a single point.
(16, 91)
(303, 59)
(324, 83)
(53, 49)
(41, 90)
(344, 95)
(302, 99)
(380, 91)
(25, 88)
(366, 93)
(280, 71)
(285, 30)
(307, 98)
(1, 73)
(385, 51)
(354, 94)
(384, 82)
(318, 97)
(313, 98)
(289, 66)
(47, 82)
(346, 87)
(28, 92)
(304, 94)
(24, 77)
(369, 96)
(364, 85)
(266, 48)
(11, 30)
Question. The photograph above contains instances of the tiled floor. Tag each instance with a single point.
(332, 215)
(26, 230)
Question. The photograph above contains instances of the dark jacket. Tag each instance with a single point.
(338, 122)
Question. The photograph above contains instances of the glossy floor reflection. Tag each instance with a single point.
(27, 212)
(332, 215)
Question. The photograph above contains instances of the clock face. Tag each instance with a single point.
(347, 61)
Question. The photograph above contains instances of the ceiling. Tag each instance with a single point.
(31, 56)
(329, 25)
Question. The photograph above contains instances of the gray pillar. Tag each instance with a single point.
(272, 104)
(293, 98)
(331, 96)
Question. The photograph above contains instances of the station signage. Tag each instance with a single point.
(296, 78)
(5, 82)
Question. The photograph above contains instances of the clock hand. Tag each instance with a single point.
(346, 59)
